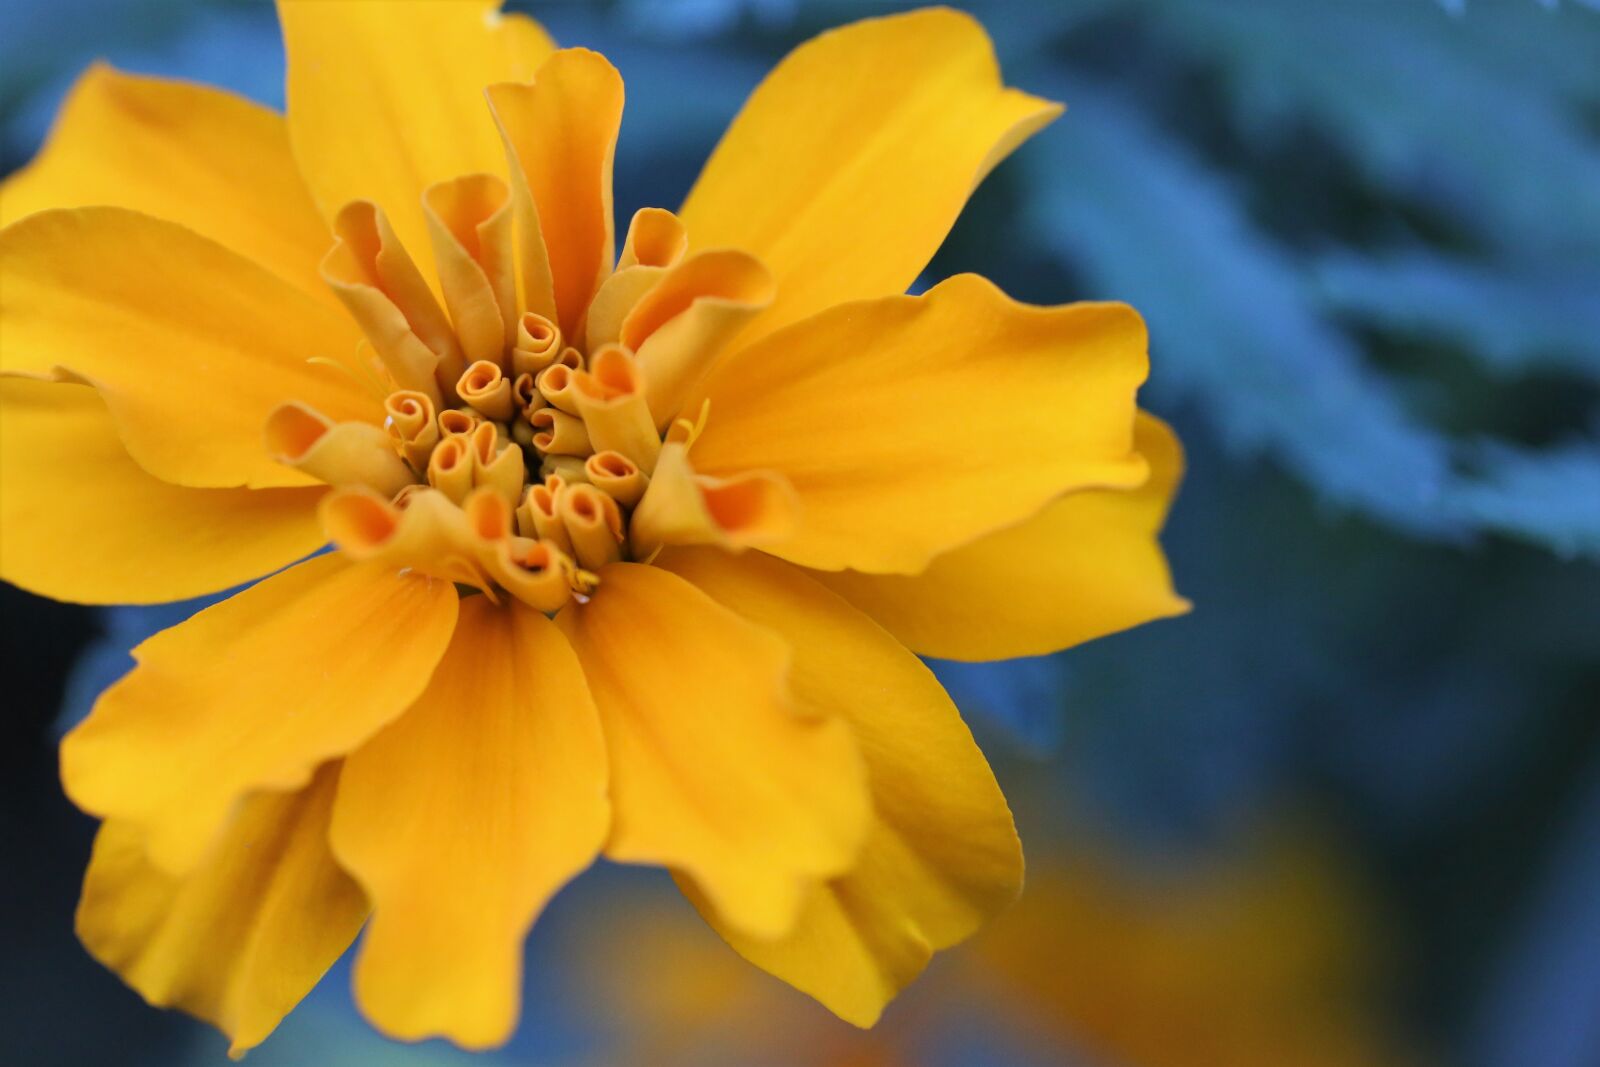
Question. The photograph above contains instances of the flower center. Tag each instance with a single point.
(516, 457)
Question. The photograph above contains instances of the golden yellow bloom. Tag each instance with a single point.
(634, 549)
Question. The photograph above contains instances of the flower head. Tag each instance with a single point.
(634, 548)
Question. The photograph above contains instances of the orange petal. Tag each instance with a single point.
(386, 99)
(338, 453)
(485, 386)
(593, 523)
(197, 156)
(463, 818)
(191, 346)
(679, 507)
(241, 939)
(850, 162)
(680, 327)
(560, 135)
(714, 771)
(610, 396)
(469, 222)
(1086, 566)
(656, 241)
(942, 857)
(429, 535)
(656, 238)
(252, 694)
(384, 290)
(538, 345)
(617, 476)
(910, 426)
(81, 521)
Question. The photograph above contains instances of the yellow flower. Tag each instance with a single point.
(635, 550)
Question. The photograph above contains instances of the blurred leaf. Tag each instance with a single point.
(1438, 109)
(1557, 42)
(1550, 497)
(1230, 322)
(33, 48)
(693, 19)
(1514, 318)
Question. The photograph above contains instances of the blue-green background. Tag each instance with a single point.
(1366, 237)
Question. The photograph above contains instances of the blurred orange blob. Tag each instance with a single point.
(1264, 956)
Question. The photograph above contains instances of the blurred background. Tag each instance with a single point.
(1345, 813)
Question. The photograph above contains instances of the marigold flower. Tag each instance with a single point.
(634, 550)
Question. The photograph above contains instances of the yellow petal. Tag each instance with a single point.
(537, 515)
(1086, 566)
(244, 936)
(190, 154)
(81, 521)
(190, 345)
(556, 432)
(912, 425)
(656, 238)
(430, 535)
(617, 476)
(656, 241)
(942, 857)
(680, 507)
(610, 396)
(338, 453)
(615, 298)
(450, 467)
(384, 290)
(469, 222)
(497, 464)
(463, 818)
(594, 525)
(556, 386)
(714, 771)
(386, 99)
(682, 324)
(538, 345)
(252, 694)
(484, 386)
(560, 135)
(412, 425)
(851, 161)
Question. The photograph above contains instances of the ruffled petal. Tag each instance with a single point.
(681, 326)
(242, 938)
(851, 161)
(387, 99)
(464, 817)
(942, 857)
(253, 694)
(714, 771)
(560, 134)
(1086, 566)
(203, 158)
(190, 345)
(81, 521)
(910, 426)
